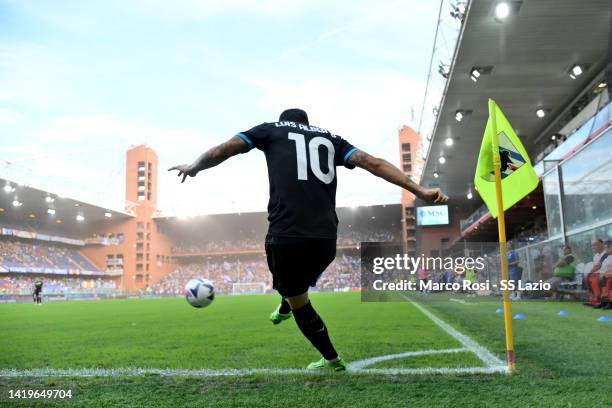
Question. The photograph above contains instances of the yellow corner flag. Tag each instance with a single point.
(504, 176)
(517, 174)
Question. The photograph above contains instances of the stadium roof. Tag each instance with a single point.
(530, 55)
(24, 205)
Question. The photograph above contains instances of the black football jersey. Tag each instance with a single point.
(302, 162)
(38, 285)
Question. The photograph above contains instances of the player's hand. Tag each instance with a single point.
(433, 195)
(185, 170)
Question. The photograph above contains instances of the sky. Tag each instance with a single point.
(81, 81)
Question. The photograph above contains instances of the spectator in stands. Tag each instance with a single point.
(515, 272)
(470, 276)
(564, 271)
(591, 282)
(605, 279)
(423, 276)
(447, 276)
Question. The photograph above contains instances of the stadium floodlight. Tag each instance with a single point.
(576, 71)
(458, 11)
(469, 195)
(108, 215)
(534, 207)
(540, 113)
(49, 199)
(441, 159)
(436, 174)
(475, 74)
(443, 70)
(458, 116)
(51, 211)
(8, 188)
(80, 218)
(602, 85)
(449, 141)
(502, 10)
(17, 203)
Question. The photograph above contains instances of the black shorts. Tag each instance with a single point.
(297, 263)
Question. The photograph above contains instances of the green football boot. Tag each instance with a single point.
(276, 317)
(322, 364)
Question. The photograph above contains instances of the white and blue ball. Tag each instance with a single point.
(199, 292)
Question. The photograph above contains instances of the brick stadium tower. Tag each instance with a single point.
(411, 164)
(142, 252)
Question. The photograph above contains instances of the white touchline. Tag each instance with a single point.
(230, 372)
(485, 355)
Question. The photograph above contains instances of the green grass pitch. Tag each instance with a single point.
(562, 361)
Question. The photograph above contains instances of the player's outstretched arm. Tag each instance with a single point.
(385, 170)
(212, 157)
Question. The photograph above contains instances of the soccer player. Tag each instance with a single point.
(37, 293)
(301, 239)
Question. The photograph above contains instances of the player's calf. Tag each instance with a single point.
(313, 328)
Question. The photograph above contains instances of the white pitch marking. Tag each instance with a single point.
(360, 364)
(432, 370)
(485, 355)
(229, 372)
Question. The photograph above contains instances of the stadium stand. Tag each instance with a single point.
(17, 254)
(22, 285)
(342, 274)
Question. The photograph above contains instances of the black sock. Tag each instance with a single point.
(284, 307)
(314, 329)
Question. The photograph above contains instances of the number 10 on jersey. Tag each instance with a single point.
(315, 166)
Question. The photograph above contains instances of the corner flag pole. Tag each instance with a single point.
(501, 227)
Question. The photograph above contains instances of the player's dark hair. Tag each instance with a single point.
(294, 115)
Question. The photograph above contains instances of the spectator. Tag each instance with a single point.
(515, 272)
(591, 282)
(423, 276)
(564, 271)
(601, 280)
(605, 281)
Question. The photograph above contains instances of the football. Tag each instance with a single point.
(199, 292)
